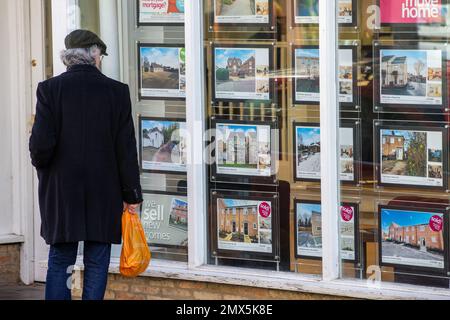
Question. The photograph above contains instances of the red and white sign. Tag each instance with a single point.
(411, 11)
(436, 223)
(347, 213)
(155, 6)
(264, 209)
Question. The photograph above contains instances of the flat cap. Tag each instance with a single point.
(84, 39)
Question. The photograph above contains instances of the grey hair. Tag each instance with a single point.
(71, 57)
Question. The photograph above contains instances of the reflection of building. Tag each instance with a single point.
(393, 147)
(241, 148)
(394, 71)
(153, 138)
(239, 69)
(308, 67)
(241, 219)
(420, 236)
(316, 224)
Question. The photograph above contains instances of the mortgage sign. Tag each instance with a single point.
(411, 11)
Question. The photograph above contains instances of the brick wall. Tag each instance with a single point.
(9, 263)
(146, 288)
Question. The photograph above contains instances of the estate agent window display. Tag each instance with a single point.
(160, 85)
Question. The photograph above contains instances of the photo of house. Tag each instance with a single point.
(308, 151)
(309, 229)
(404, 153)
(245, 148)
(408, 239)
(404, 72)
(435, 171)
(238, 221)
(238, 7)
(160, 68)
(235, 70)
(307, 70)
(162, 142)
(307, 8)
(178, 216)
(345, 8)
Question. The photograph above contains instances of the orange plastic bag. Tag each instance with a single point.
(135, 256)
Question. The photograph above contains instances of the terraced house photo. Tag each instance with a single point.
(408, 239)
(240, 225)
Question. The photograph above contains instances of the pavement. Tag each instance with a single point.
(22, 292)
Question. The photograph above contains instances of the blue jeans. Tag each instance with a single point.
(62, 258)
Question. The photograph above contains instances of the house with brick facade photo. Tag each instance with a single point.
(408, 239)
(411, 153)
(240, 226)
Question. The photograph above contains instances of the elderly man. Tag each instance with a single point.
(83, 146)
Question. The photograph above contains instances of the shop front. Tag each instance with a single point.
(289, 149)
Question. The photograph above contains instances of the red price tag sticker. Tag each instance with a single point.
(436, 223)
(347, 213)
(265, 209)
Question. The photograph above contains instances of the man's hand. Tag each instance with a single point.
(132, 208)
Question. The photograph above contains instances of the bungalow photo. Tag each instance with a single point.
(411, 157)
(242, 73)
(308, 152)
(162, 72)
(411, 76)
(241, 227)
(243, 150)
(163, 145)
(161, 11)
(241, 11)
(307, 75)
(408, 239)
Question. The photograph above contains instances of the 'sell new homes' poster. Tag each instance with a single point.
(163, 145)
(244, 225)
(242, 73)
(411, 12)
(160, 12)
(162, 70)
(307, 11)
(165, 219)
(241, 11)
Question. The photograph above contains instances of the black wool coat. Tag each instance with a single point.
(83, 146)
